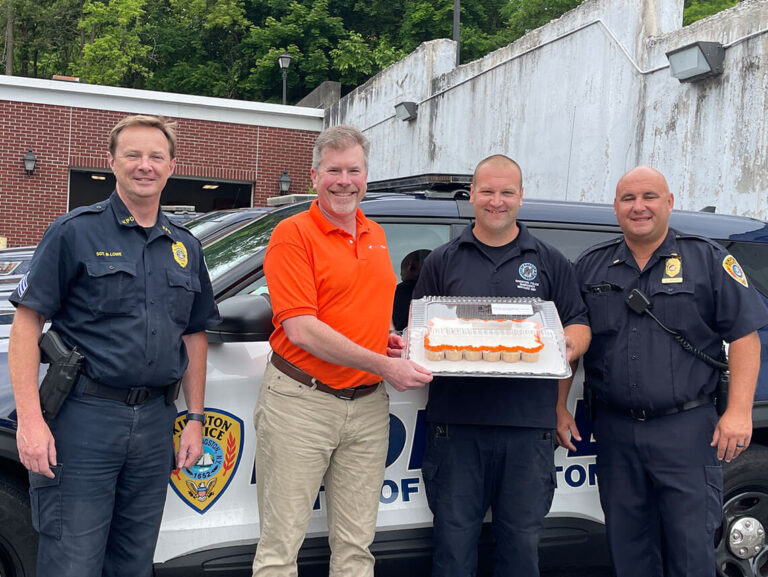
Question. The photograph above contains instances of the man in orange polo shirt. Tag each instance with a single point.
(323, 412)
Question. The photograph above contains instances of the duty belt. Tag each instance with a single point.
(646, 414)
(132, 397)
(306, 379)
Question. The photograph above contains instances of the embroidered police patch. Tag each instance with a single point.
(528, 271)
(734, 270)
(201, 485)
(21, 288)
(179, 253)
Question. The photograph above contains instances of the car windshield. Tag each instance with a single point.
(228, 251)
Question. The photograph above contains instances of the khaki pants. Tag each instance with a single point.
(302, 436)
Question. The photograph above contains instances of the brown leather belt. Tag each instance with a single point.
(306, 379)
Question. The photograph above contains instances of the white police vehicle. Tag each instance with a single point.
(210, 524)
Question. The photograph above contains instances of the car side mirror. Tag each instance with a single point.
(245, 318)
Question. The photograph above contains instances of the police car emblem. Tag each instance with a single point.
(734, 270)
(201, 485)
(179, 253)
(528, 271)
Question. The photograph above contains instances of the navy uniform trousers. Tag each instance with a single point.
(469, 468)
(661, 491)
(100, 516)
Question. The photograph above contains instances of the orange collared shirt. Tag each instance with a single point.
(315, 268)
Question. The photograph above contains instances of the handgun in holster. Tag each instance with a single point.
(64, 369)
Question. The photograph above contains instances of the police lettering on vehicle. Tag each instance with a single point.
(201, 485)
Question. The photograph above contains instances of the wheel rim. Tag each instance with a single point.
(745, 516)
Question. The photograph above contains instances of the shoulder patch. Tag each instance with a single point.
(734, 270)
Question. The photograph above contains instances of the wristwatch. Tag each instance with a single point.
(196, 417)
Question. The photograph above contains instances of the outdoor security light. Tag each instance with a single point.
(406, 110)
(30, 161)
(284, 183)
(696, 61)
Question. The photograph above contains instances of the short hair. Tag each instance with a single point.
(497, 159)
(339, 138)
(167, 127)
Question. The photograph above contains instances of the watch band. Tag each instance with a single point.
(196, 417)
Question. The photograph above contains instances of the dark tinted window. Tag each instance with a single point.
(572, 242)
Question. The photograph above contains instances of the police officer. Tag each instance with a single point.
(491, 440)
(659, 438)
(130, 290)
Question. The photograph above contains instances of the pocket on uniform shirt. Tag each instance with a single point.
(183, 288)
(45, 501)
(112, 286)
(713, 475)
(603, 307)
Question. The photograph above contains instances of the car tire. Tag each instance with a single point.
(18, 539)
(745, 514)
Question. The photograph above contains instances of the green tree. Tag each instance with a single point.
(697, 9)
(115, 50)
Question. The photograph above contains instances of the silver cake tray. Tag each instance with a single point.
(551, 363)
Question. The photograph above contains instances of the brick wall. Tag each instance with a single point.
(66, 137)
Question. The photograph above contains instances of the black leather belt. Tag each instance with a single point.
(646, 414)
(132, 397)
(306, 379)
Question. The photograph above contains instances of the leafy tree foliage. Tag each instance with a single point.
(697, 9)
(229, 48)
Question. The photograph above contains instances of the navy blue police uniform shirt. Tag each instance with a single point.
(122, 296)
(695, 287)
(530, 268)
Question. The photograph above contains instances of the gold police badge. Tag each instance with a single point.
(179, 253)
(201, 485)
(673, 270)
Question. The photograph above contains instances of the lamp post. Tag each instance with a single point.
(284, 60)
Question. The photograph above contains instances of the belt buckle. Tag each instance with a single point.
(638, 414)
(137, 396)
(346, 394)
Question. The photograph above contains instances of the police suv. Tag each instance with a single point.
(210, 525)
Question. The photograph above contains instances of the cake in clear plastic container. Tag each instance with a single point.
(487, 336)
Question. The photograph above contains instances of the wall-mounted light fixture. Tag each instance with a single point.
(30, 161)
(98, 177)
(284, 183)
(210, 186)
(696, 61)
(406, 110)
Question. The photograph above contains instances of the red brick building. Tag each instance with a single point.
(236, 150)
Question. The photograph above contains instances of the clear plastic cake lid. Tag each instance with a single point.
(487, 336)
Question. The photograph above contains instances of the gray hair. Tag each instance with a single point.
(339, 138)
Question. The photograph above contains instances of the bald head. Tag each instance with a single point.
(501, 162)
(642, 206)
(645, 174)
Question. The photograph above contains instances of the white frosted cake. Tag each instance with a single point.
(490, 340)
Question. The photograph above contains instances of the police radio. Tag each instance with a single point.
(641, 304)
